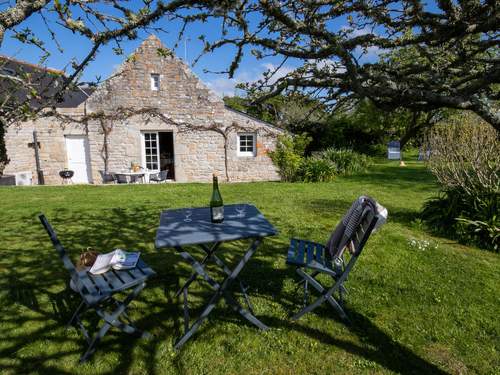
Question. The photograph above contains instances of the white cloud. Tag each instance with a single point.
(370, 53)
(223, 85)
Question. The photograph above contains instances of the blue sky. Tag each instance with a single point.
(106, 61)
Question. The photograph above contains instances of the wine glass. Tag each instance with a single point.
(187, 214)
(240, 209)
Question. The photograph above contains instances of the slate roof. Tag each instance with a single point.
(46, 81)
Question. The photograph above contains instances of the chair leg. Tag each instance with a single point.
(306, 292)
(91, 348)
(76, 314)
(112, 320)
(327, 295)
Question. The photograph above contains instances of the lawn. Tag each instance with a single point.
(413, 311)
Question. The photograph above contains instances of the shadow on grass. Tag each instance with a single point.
(378, 346)
(35, 271)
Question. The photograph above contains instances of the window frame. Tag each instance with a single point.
(254, 143)
(147, 150)
(155, 78)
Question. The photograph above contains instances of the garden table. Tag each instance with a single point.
(192, 226)
(144, 176)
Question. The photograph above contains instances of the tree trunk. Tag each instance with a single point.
(431, 118)
(4, 160)
(487, 112)
(411, 131)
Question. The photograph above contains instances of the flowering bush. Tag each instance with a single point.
(465, 159)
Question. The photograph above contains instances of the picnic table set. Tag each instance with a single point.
(181, 230)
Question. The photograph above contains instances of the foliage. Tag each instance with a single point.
(413, 312)
(296, 113)
(465, 159)
(289, 155)
(315, 169)
(363, 126)
(346, 161)
(465, 155)
(469, 220)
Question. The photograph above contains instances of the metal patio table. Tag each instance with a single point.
(192, 227)
(144, 176)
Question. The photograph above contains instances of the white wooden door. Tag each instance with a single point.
(76, 147)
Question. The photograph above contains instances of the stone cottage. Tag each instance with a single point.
(153, 112)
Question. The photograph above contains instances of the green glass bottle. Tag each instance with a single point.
(216, 204)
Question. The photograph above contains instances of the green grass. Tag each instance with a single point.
(413, 311)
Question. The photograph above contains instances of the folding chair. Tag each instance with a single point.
(159, 177)
(97, 293)
(337, 258)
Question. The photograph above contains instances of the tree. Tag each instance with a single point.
(92, 23)
(455, 48)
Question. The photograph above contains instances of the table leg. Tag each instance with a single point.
(220, 291)
(194, 275)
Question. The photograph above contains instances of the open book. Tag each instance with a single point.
(117, 259)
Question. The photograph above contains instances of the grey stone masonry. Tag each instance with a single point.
(205, 131)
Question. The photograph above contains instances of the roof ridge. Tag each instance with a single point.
(50, 70)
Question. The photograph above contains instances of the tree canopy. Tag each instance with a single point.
(450, 49)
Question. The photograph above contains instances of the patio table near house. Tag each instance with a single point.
(130, 176)
(187, 227)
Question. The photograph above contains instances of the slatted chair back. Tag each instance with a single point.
(163, 175)
(354, 229)
(364, 229)
(80, 279)
(356, 240)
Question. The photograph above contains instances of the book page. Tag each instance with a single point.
(129, 261)
(102, 263)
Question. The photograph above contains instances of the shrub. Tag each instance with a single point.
(465, 155)
(346, 161)
(316, 169)
(289, 155)
(465, 159)
(468, 220)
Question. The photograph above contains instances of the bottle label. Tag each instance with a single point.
(218, 213)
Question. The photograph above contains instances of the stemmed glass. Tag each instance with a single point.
(187, 214)
(240, 209)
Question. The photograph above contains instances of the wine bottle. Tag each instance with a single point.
(216, 204)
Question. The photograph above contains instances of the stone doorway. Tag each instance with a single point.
(158, 152)
(167, 162)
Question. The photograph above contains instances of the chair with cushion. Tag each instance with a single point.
(97, 294)
(159, 177)
(337, 258)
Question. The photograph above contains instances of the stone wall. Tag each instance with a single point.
(191, 108)
(52, 151)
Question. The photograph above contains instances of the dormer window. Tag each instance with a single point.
(155, 82)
